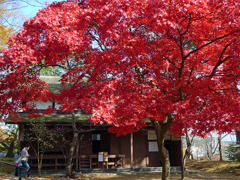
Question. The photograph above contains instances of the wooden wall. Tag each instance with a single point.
(143, 154)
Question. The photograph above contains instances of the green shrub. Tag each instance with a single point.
(232, 153)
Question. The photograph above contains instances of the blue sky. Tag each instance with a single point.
(29, 8)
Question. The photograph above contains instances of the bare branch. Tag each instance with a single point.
(99, 43)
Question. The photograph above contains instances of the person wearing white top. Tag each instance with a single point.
(24, 160)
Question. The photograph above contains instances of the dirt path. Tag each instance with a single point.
(158, 176)
(134, 177)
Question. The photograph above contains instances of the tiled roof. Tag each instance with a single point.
(53, 82)
(52, 118)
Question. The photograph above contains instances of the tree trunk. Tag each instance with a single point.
(11, 149)
(72, 148)
(211, 147)
(40, 166)
(165, 161)
(70, 157)
(188, 154)
(13, 140)
(208, 151)
(220, 147)
(191, 156)
(40, 169)
(161, 129)
(183, 167)
(189, 141)
(39, 162)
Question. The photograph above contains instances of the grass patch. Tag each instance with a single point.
(228, 168)
(4, 168)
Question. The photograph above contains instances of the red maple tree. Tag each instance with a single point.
(176, 63)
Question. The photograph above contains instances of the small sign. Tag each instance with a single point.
(105, 156)
(100, 156)
(152, 146)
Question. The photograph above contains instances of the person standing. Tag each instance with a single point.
(24, 160)
(17, 160)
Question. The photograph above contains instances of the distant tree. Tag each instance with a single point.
(9, 139)
(6, 28)
(51, 71)
(211, 146)
(2, 136)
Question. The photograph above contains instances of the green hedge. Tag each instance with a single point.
(232, 153)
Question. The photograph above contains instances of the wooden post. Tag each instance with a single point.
(77, 155)
(146, 150)
(131, 149)
(77, 161)
(56, 163)
(90, 158)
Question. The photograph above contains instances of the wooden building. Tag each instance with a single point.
(135, 150)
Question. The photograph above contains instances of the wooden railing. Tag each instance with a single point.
(57, 162)
(114, 161)
(51, 162)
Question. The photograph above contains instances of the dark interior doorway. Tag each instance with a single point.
(96, 143)
(100, 142)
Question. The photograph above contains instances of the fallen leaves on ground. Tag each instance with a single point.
(227, 168)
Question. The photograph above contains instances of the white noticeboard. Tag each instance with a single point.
(100, 157)
(152, 146)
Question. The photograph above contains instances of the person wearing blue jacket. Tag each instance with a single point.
(16, 160)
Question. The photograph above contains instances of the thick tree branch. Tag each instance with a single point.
(75, 127)
(214, 40)
(218, 64)
(220, 61)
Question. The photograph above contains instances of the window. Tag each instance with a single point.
(96, 137)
